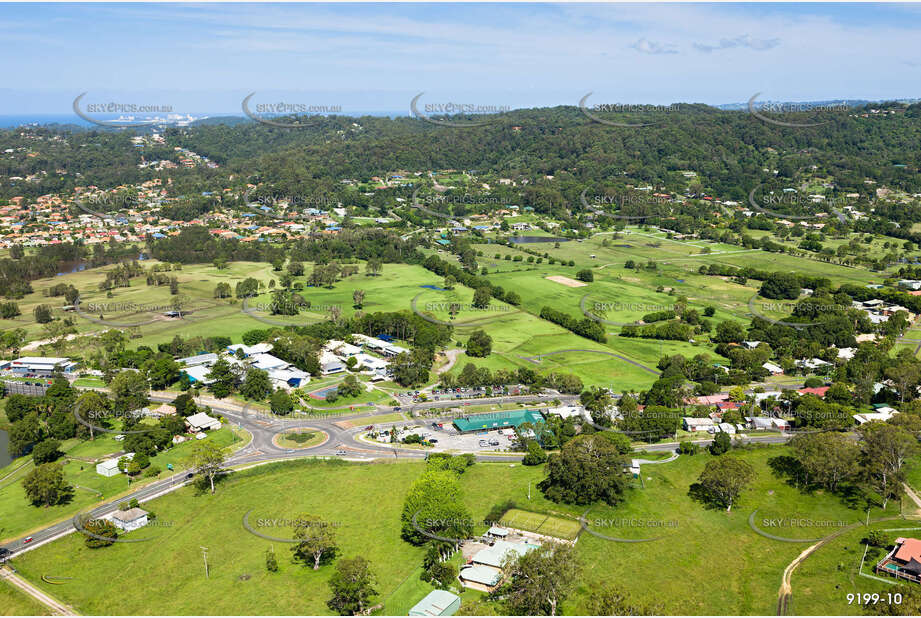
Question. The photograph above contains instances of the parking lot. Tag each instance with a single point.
(447, 438)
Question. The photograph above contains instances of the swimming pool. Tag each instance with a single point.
(323, 393)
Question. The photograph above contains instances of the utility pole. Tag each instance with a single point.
(204, 554)
(529, 490)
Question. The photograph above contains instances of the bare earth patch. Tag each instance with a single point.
(570, 283)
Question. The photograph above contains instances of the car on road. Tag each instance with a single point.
(28, 539)
(341, 452)
(493, 442)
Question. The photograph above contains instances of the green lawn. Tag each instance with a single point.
(735, 570)
(14, 602)
(18, 516)
(542, 523)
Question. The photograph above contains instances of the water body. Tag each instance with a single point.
(5, 458)
(520, 240)
(76, 266)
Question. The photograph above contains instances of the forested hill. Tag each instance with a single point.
(729, 149)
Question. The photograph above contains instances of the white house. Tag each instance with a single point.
(198, 373)
(129, 520)
(288, 377)
(250, 350)
(267, 361)
(201, 359)
(881, 414)
(568, 411)
(201, 421)
(341, 349)
(697, 424)
(377, 367)
(109, 467)
(773, 369)
(330, 363)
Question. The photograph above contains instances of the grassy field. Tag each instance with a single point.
(14, 602)
(735, 570)
(18, 516)
(542, 523)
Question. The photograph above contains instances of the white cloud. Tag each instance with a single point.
(745, 40)
(645, 46)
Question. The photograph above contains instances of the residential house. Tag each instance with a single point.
(437, 603)
(129, 520)
(200, 422)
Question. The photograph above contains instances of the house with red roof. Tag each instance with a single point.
(904, 561)
(818, 391)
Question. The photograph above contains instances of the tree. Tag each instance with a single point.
(450, 282)
(9, 310)
(721, 443)
(885, 449)
(223, 290)
(535, 455)
(271, 563)
(433, 507)
(162, 372)
(42, 314)
(724, 478)
(541, 579)
(316, 540)
(373, 267)
(481, 297)
(585, 275)
(256, 385)
(780, 285)
(479, 344)
(45, 485)
(352, 586)
(129, 389)
(728, 332)
(281, 403)
(358, 297)
(24, 433)
(207, 459)
(46, 451)
(224, 379)
(588, 468)
(296, 269)
(827, 458)
(99, 532)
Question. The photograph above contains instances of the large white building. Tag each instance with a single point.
(42, 365)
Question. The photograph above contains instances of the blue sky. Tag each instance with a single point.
(207, 57)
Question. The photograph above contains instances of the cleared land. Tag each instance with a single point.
(739, 575)
(542, 523)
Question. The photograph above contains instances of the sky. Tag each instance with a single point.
(205, 58)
